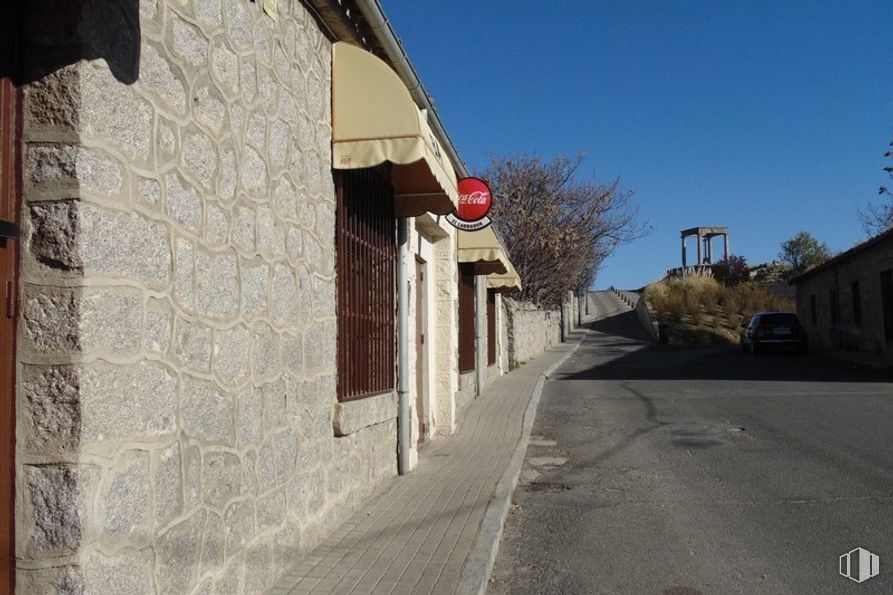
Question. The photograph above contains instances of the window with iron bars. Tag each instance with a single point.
(366, 246)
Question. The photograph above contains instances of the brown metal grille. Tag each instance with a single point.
(466, 318)
(366, 252)
(491, 328)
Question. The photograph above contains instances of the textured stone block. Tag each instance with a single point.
(270, 233)
(111, 320)
(240, 526)
(177, 557)
(275, 399)
(256, 133)
(192, 477)
(199, 157)
(208, 13)
(254, 173)
(267, 475)
(254, 281)
(230, 363)
(206, 412)
(66, 168)
(216, 284)
(184, 274)
(159, 323)
(248, 81)
(226, 181)
(167, 483)
(125, 401)
(128, 572)
(293, 353)
(352, 416)
(55, 233)
(249, 420)
(225, 67)
(217, 225)
(65, 320)
(259, 569)
(243, 228)
(213, 543)
(188, 43)
(265, 360)
(239, 25)
(183, 203)
(123, 509)
(53, 102)
(125, 245)
(221, 475)
(55, 508)
(114, 113)
(319, 347)
(284, 297)
(232, 576)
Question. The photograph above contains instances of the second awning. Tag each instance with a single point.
(484, 250)
(508, 282)
(375, 120)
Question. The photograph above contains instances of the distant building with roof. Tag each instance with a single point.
(847, 301)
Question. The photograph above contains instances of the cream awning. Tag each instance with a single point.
(509, 282)
(484, 250)
(375, 120)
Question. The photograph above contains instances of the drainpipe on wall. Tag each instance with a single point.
(403, 417)
(480, 333)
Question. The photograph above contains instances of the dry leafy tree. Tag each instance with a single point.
(879, 217)
(557, 229)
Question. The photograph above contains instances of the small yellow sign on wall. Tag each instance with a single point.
(270, 9)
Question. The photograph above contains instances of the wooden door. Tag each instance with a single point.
(10, 129)
(421, 324)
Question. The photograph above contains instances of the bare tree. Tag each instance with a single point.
(877, 218)
(558, 230)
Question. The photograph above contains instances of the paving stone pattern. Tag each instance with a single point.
(415, 536)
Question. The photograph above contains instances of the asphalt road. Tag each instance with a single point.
(683, 470)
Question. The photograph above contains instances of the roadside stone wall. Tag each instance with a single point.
(529, 330)
(176, 384)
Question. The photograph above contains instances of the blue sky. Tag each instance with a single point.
(765, 116)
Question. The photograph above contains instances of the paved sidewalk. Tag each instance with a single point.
(417, 535)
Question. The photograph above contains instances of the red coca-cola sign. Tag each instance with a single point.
(475, 199)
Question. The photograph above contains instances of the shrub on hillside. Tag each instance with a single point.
(731, 271)
(704, 301)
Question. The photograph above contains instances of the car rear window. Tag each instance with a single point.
(778, 319)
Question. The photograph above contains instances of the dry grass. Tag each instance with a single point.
(696, 309)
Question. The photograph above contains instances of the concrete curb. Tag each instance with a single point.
(479, 565)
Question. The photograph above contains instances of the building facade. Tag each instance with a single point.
(205, 256)
(847, 302)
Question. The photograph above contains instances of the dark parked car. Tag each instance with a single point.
(774, 329)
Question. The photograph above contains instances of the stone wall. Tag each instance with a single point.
(529, 330)
(647, 318)
(176, 394)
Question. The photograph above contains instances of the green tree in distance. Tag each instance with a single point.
(803, 251)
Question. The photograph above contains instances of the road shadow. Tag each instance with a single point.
(624, 352)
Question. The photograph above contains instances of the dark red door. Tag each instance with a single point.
(10, 127)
